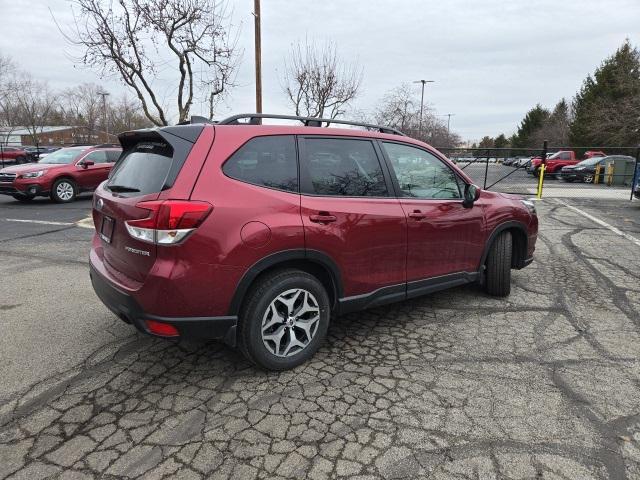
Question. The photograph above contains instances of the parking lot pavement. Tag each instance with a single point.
(544, 384)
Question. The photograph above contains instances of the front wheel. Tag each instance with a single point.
(284, 320)
(588, 178)
(63, 191)
(498, 266)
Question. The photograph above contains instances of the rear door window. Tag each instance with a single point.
(343, 167)
(98, 156)
(266, 161)
(143, 168)
(113, 155)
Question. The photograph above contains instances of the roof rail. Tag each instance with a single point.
(107, 145)
(254, 119)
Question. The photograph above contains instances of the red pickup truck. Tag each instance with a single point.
(560, 159)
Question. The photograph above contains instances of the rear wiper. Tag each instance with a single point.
(122, 188)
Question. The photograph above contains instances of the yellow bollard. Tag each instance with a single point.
(596, 176)
(541, 181)
(610, 174)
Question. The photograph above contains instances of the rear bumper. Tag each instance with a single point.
(127, 309)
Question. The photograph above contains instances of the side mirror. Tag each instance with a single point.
(471, 194)
(86, 163)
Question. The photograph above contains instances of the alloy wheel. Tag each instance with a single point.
(64, 190)
(290, 322)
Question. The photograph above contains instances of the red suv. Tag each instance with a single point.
(61, 175)
(13, 154)
(258, 234)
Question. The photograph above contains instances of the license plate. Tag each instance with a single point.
(106, 230)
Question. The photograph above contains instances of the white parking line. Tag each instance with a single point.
(39, 222)
(600, 222)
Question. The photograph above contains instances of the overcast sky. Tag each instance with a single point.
(491, 60)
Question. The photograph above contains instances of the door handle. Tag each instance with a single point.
(417, 215)
(323, 217)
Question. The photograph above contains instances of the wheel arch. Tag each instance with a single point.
(313, 262)
(520, 243)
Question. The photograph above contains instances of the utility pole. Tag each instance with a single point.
(104, 114)
(449, 115)
(422, 101)
(258, 45)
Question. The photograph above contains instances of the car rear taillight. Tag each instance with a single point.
(169, 221)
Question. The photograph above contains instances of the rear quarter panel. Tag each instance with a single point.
(248, 222)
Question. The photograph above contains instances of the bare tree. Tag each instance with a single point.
(400, 109)
(125, 115)
(34, 103)
(8, 85)
(82, 106)
(128, 39)
(317, 82)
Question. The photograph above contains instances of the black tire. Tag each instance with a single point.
(23, 198)
(20, 160)
(498, 272)
(536, 172)
(256, 305)
(56, 193)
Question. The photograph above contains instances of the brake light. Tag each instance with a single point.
(169, 221)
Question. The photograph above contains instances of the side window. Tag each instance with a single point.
(421, 174)
(565, 156)
(97, 156)
(266, 161)
(343, 167)
(113, 155)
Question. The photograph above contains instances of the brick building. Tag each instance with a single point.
(53, 135)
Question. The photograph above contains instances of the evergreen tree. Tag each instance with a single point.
(501, 141)
(532, 121)
(606, 110)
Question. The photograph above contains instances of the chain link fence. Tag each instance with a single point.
(585, 172)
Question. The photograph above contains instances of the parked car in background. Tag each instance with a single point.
(36, 153)
(522, 162)
(558, 160)
(13, 154)
(61, 175)
(258, 234)
(509, 161)
(585, 170)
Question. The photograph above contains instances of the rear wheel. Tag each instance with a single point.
(21, 159)
(63, 191)
(284, 320)
(588, 178)
(498, 266)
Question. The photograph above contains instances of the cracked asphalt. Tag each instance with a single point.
(456, 385)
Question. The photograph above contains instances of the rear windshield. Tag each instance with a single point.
(142, 169)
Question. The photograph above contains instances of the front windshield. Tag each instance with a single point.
(63, 156)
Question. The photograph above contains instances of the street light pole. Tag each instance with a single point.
(258, 54)
(422, 101)
(104, 114)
